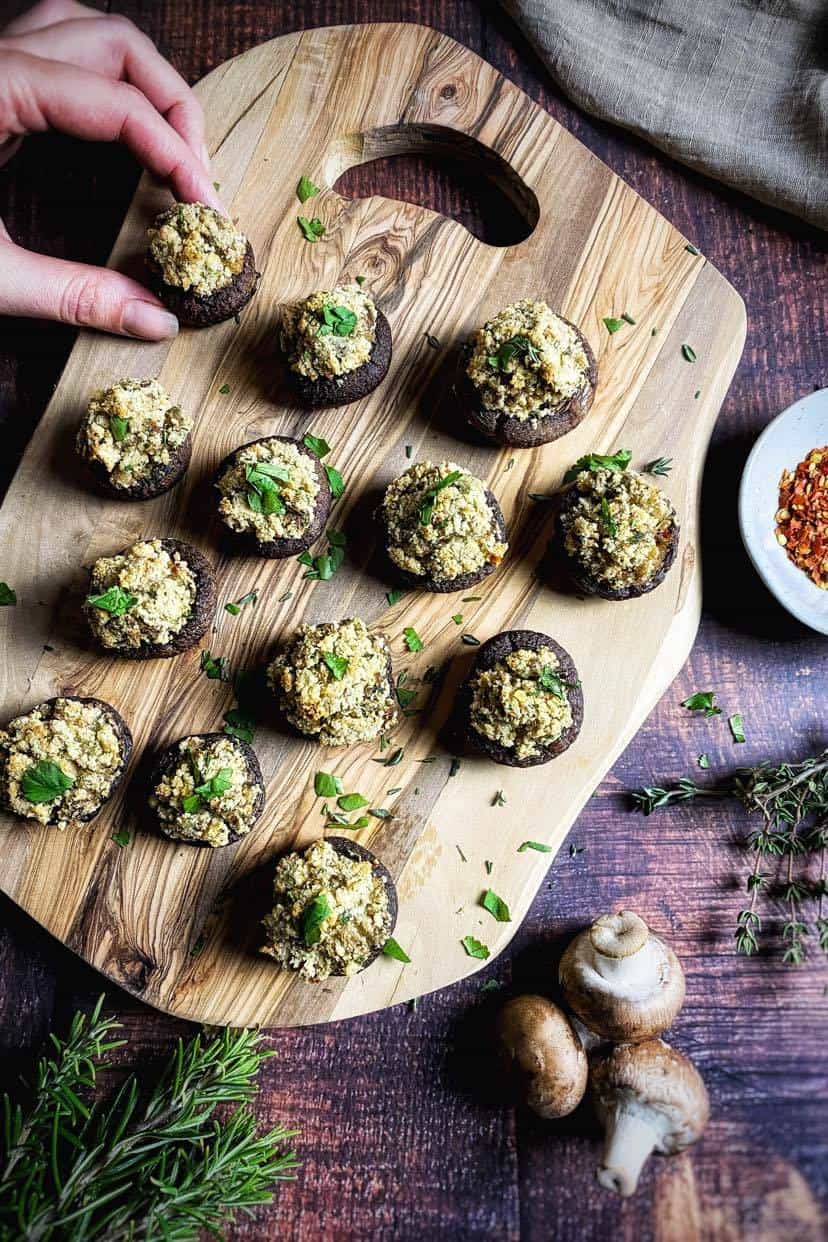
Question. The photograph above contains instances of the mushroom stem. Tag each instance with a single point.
(629, 973)
(630, 1138)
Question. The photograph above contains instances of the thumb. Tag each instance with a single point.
(38, 287)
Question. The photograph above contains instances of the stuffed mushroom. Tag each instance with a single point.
(200, 265)
(134, 440)
(207, 790)
(522, 704)
(333, 682)
(443, 528)
(61, 761)
(152, 600)
(618, 533)
(334, 907)
(274, 496)
(337, 345)
(527, 376)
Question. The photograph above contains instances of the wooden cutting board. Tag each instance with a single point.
(178, 926)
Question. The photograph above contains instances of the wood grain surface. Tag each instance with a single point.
(316, 104)
(402, 1132)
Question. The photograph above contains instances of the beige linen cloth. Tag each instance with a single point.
(736, 88)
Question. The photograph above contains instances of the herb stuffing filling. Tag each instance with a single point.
(130, 429)
(330, 913)
(208, 795)
(58, 762)
(526, 360)
(270, 491)
(332, 681)
(521, 703)
(197, 248)
(618, 527)
(439, 522)
(330, 333)
(143, 595)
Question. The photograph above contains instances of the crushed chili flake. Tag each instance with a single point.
(802, 517)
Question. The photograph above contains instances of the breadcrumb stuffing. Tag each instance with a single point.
(197, 248)
(318, 349)
(521, 702)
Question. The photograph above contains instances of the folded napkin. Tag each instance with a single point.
(736, 88)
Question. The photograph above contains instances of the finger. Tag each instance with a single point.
(9, 148)
(38, 287)
(41, 94)
(116, 48)
(46, 14)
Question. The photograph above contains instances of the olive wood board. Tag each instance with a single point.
(178, 926)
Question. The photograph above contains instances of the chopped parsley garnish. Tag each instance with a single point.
(313, 916)
(394, 596)
(703, 701)
(458, 618)
(306, 189)
(250, 598)
(596, 461)
(737, 727)
(44, 781)
(360, 280)
(409, 449)
(393, 759)
(515, 347)
(412, 639)
(474, 948)
(337, 321)
(460, 852)
(496, 906)
(534, 845)
(613, 325)
(335, 481)
(338, 665)
(214, 668)
(215, 787)
(119, 428)
(575, 850)
(351, 802)
(607, 519)
(263, 493)
(628, 318)
(240, 724)
(327, 786)
(430, 495)
(325, 566)
(549, 680)
(455, 766)
(470, 640)
(115, 601)
(313, 229)
(661, 465)
(488, 864)
(405, 696)
(432, 340)
(499, 799)
(225, 388)
(704, 761)
(379, 812)
(691, 249)
(688, 353)
(7, 595)
(392, 949)
(121, 837)
(316, 445)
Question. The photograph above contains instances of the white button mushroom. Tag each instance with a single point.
(649, 1098)
(622, 981)
(537, 1040)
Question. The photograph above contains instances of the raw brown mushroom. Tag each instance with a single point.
(649, 1098)
(538, 1042)
(622, 981)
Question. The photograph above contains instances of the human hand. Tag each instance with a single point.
(67, 67)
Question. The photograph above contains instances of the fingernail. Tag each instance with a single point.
(148, 322)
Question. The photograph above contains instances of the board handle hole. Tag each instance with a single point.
(443, 170)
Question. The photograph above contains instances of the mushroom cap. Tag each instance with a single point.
(636, 999)
(538, 1042)
(654, 1078)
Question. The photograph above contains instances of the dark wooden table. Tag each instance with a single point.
(402, 1133)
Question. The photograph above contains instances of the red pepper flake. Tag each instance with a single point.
(802, 517)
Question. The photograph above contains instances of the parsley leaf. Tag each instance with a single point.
(351, 802)
(703, 701)
(327, 786)
(474, 948)
(313, 916)
(250, 598)
(44, 781)
(737, 727)
(338, 665)
(661, 465)
(337, 321)
(596, 461)
(394, 596)
(214, 669)
(115, 601)
(515, 347)
(496, 906)
(306, 189)
(688, 353)
(549, 680)
(7, 595)
(430, 495)
(335, 481)
(412, 639)
(534, 845)
(392, 949)
(613, 325)
(311, 229)
(240, 724)
(607, 519)
(316, 445)
(121, 837)
(119, 428)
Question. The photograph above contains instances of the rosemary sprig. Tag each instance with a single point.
(135, 1168)
(792, 801)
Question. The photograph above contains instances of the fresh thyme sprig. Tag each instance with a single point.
(792, 800)
(160, 1167)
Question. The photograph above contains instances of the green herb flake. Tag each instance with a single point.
(490, 985)
(335, 482)
(470, 640)
(119, 428)
(115, 601)
(704, 761)
(515, 348)
(474, 948)
(360, 823)
(412, 639)
(44, 781)
(379, 812)
(409, 450)
(306, 189)
(462, 855)
(703, 701)
(499, 799)
(360, 280)
(430, 495)
(121, 837)
(240, 724)
(496, 906)
(688, 353)
(628, 319)
(313, 916)
(488, 864)
(607, 519)
(338, 665)
(534, 845)
(392, 949)
(737, 727)
(337, 321)
(8, 597)
(225, 388)
(394, 596)
(661, 465)
(327, 786)
(215, 669)
(469, 599)
(351, 802)
(313, 229)
(250, 598)
(432, 340)
(316, 445)
(613, 325)
(617, 461)
(455, 766)
(691, 249)
(458, 618)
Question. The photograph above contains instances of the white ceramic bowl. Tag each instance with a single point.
(781, 446)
